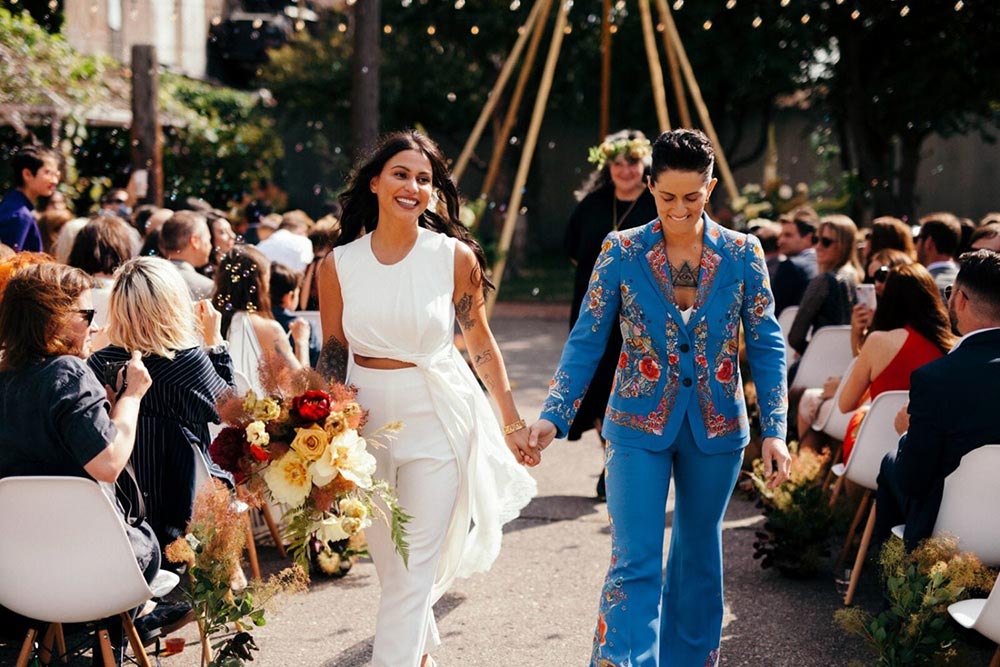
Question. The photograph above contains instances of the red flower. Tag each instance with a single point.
(622, 360)
(259, 453)
(227, 448)
(649, 369)
(673, 359)
(724, 373)
(313, 405)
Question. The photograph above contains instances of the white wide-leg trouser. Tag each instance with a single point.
(422, 465)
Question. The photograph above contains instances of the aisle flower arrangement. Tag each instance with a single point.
(300, 446)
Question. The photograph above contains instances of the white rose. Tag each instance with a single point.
(257, 434)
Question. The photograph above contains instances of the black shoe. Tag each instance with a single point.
(601, 495)
(164, 619)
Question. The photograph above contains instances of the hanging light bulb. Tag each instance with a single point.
(905, 10)
(959, 5)
(855, 15)
(757, 22)
(707, 25)
(804, 19)
(730, 4)
(785, 3)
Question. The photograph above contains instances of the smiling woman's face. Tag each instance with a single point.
(405, 185)
(681, 197)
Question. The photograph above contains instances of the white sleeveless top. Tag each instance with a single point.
(406, 311)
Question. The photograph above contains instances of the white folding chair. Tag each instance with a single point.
(980, 615)
(828, 354)
(42, 519)
(830, 419)
(969, 503)
(785, 319)
(876, 437)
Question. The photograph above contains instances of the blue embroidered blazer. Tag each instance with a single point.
(668, 369)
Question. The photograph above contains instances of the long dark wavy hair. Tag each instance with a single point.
(911, 298)
(360, 204)
(242, 283)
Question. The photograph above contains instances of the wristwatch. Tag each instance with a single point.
(221, 348)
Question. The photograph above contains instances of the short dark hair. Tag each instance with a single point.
(283, 281)
(944, 229)
(979, 274)
(30, 157)
(176, 232)
(682, 150)
(987, 231)
(805, 218)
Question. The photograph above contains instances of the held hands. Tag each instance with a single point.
(540, 435)
(777, 462)
(517, 443)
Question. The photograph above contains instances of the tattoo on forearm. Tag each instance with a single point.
(463, 311)
(332, 363)
(483, 358)
(490, 383)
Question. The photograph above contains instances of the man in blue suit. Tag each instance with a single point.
(952, 409)
(680, 288)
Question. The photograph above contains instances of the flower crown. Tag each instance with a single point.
(637, 149)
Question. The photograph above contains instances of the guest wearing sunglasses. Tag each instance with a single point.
(879, 265)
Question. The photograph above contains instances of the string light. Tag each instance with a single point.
(342, 27)
(959, 5)
(804, 19)
(459, 4)
(730, 4)
(785, 3)
(904, 10)
(431, 30)
(515, 5)
(707, 25)
(855, 15)
(678, 4)
(387, 29)
(474, 30)
(757, 22)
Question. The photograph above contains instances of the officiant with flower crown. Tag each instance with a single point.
(614, 197)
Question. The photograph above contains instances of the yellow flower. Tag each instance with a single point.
(310, 443)
(256, 434)
(336, 423)
(180, 551)
(250, 401)
(351, 526)
(267, 409)
(288, 479)
(353, 508)
(331, 530)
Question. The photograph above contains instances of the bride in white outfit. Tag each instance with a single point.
(389, 301)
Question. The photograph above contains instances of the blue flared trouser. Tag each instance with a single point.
(646, 618)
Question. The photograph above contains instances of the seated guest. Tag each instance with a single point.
(986, 237)
(910, 328)
(243, 295)
(323, 237)
(289, 245)
(768, 233)
(56, 416)
(104, 244)
(937, 245)
(829, 297)
(952, 409)
(49, 225)
(151, 313)
(285, 286)
(879, 266)
(888, 233)
(186, 241)
(797, 243)
(66, 237)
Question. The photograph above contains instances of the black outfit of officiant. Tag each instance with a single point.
(590, 222)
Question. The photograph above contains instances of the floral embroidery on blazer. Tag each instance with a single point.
(667, 367)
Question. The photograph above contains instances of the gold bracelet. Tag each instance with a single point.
(513, 428)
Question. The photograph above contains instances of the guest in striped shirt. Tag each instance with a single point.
(150, 311)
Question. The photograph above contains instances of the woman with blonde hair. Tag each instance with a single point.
(150, 312)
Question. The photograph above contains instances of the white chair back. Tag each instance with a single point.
(876, 437)
(242, 383)
(980, 615)
(315, 323)
(828, 354)
(785, 319)
(969, 504)
(64, 554)
(830, 419)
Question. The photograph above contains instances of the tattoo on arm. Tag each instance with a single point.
(332, 363)
(483, 358)
(463, 311)
(490, 383)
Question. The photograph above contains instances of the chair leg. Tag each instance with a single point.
(995, 662)
(862, 506)
(61, 642)
(29, 642)
(860, 560)
(837, 487)
(834, 460)
(251, 548)
(138, 650)
(45, 648)
(107, 653)
(279, 541)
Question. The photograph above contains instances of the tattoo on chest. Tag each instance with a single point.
(684, 275)
(332, 363)
(463, 312)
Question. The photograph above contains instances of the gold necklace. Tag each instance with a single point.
(615, 221)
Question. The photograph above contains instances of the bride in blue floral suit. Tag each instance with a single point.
(679, 287)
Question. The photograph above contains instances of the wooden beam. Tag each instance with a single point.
(528, 151)
(147, 139)
(494, 97)
(675, 76)
(655, 69)
(500, 145)
(605, 69)
(699, 102)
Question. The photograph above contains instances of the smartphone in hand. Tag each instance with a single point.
(865, 295)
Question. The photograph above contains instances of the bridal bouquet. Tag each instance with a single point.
(300, 446)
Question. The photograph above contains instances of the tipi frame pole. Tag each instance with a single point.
(605, 68)
(528, 151)
(494, 97)
(655, 69)
(675, 77)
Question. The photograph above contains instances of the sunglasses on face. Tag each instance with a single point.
(881, 274)
(88, 314)
(826, 241)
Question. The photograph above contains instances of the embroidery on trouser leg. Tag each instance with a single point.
(713, 658)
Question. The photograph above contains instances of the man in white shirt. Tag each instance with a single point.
(289, 244)
(937, 244)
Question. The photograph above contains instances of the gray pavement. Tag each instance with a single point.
(537, 605)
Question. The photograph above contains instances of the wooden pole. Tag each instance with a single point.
(699, 102)
(147, 139)
(605, 69)
(500, 146)
(528, 151)
(494, 97)
(675, 76)
(655, 70)
(365, 76)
